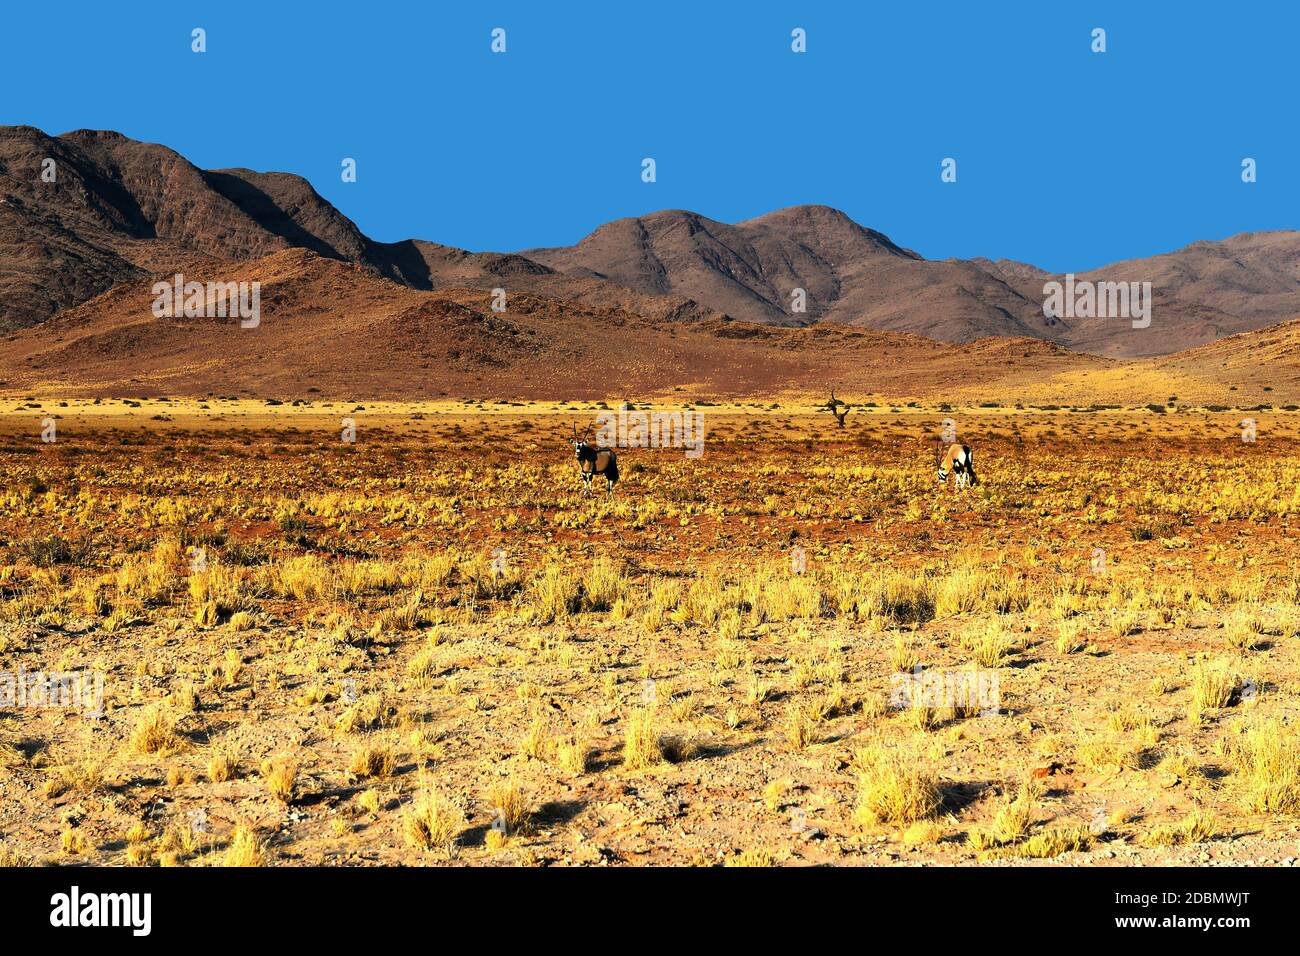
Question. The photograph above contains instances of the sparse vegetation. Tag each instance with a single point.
(396, 660)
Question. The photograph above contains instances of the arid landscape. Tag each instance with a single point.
(340, 600)
(425, 646)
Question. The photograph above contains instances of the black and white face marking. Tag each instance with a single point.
(579, 447)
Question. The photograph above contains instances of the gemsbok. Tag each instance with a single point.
(593, 461)
(958, 460)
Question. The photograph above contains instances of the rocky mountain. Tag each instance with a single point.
(116, 210)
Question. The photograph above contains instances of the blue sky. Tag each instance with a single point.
(1065, 158)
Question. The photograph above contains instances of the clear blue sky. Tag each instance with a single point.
(1066, 158)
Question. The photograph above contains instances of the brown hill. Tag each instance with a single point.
(340, 329)
(1261, 365)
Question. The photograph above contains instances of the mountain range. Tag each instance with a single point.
(78, 255)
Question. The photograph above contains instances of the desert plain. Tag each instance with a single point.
(420, 644)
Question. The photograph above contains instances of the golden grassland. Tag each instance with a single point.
(425, 647)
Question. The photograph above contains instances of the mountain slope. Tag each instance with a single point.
(859, 277)
(341, 330)
(121, 210)
(850, 274)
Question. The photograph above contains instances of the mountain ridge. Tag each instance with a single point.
(120, 209)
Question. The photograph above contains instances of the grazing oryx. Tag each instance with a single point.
(958, 460)
(593, 461)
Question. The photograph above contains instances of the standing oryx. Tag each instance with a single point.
(958, 460)
(593, 461)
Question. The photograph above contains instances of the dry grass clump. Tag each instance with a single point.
(1108, 754)
(1015, 817)
(800, 729)
(510, 808)
(222, 766)
(180, 840)
(155, 733)
(894, 788)
(1054, 842)
(246, 848)
(555, 594)
(1069, 636)
(84, 776)
(972, 587)
(281, 775)
(423, 666)
(1213, 684)
(774, 793)
(752, 858)
(1123, 621)
(988, 644)
(536, 741)
(373, 760)
(573, 755)
(1267, 758)
(73, 841)
(903, 659)
(603, 585)
(184, 698)
(922, 833)
(398, 618)
(1197, 827)
(11, 858)
(1127, 720)
(367, 713)
(1243, 629)
(431, 822)
(641, 741)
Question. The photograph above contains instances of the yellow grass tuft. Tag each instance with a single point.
(894, 788)
(155, 733)
(245, 848)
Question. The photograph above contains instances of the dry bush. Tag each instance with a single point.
(894, 788)
(246, 848)
(1015, 817)
(1267, 756)
(222, 766)
(641, 741)
(431, 822)
(155, 733)
(510, 806)
(903, 659)
(1196, 827)
(573, 755)
(1213, 684)
(373, 760)
(281, 775)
